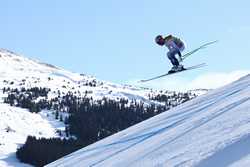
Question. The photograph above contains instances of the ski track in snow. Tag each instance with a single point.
(230, 154)
(185, 117)
(202, 131)
(145, 137)
(198, 124)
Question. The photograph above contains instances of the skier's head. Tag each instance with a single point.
(159, 40)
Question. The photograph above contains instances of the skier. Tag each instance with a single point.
(175, 46)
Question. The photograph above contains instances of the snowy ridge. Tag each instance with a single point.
(201, 132)
(17, 71)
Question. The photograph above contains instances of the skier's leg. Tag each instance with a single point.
(172, 58)
(179, 53)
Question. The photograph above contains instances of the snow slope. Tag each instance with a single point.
(15, 125)
(211, 130)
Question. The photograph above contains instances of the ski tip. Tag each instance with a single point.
(209, 43)
(140, 81)
(145, 80)
(212, 42)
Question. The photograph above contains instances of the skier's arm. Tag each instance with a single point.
(173, 45)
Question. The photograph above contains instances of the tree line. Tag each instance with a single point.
(88, 120)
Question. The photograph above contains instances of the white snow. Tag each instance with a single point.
(15, 125)
(27, 73)
(20, 72)
(49, 116)
(211, 130)
(245, 161)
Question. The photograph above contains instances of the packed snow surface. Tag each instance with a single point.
(211, 130)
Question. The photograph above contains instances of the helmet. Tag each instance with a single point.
(159, 40)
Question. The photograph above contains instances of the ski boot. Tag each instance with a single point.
(176, 69)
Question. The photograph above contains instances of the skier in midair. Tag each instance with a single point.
(175, 46)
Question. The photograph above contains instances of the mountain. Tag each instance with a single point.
(19, 72)
(210, 130)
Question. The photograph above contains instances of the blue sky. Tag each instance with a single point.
(114, 40)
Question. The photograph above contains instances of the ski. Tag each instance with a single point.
(197, 49)
(186, 69)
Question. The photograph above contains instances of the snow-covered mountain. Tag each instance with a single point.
(16, 124)
(212, 130)
(16, 71)
(20, 72)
